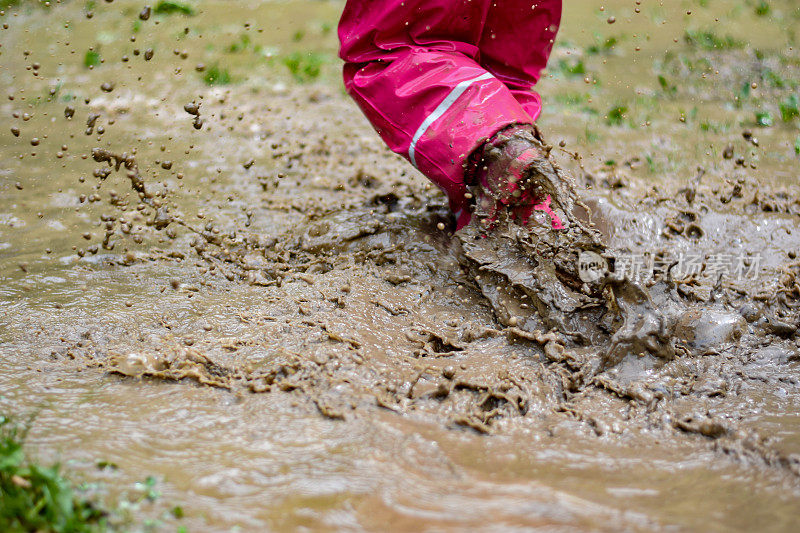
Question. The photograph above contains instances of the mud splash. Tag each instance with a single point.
(272, 315)
(615, 336)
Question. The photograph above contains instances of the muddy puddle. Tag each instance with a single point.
(212, 272)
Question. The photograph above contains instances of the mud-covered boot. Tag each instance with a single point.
(525, 249)
(517, 186)
(524, 231)
(512, 173)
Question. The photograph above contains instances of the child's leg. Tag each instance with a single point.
(516, 43)
(411, 66)
(512, 170)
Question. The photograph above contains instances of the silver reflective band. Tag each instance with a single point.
(457, 91)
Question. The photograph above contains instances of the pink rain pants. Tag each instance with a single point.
(437, 78)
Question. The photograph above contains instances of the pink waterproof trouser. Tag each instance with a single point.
(438, 77)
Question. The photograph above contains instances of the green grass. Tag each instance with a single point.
(742, 95)
(570, 98)
(616, 115)
(790, 108)
(708, 40)
(53, 93)
(38, 498)
(91, 59)
(166, 7)
(241, 45)
(41, 498)
(575, 68)
(797, 145)
(216, 75)
(602, 45)
(764, 119)
(667, 86)
(762, 9)
(304, 67)
(588, 136)
(6, 4)
(773, 79)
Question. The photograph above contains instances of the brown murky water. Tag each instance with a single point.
(277, 330)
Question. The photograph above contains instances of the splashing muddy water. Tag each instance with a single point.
(263, 312)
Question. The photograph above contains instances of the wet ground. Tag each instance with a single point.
(260, 309)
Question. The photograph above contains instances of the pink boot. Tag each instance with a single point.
(511, 172)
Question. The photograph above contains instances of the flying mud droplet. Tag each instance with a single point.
(192, 108)
(144, 14)
(728, 152)
(107, 87)
(90, 122)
